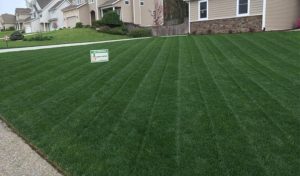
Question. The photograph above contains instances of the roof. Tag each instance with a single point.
(43, 3)
(22, 11)
(72, 6)
(56, 5)
(8, 18)
(109, 3)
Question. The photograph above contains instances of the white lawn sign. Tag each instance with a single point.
(99, 56)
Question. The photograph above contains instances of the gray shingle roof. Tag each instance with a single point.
(8, 18)
(43, 3)
(108, 3)
(56, 5)
(22, 11)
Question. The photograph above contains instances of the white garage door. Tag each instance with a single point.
(71, 21)
(28, 29)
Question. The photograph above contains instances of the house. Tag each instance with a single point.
(21, 15)
(231, 16)
(139, 12)
(7, 21)
(78, 11)
(46, 15)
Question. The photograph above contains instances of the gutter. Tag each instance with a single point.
(264, 15)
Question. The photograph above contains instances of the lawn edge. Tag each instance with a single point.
(33, 147)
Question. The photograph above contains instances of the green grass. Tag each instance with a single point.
(65, 36)
(195, 105)
(5, 33)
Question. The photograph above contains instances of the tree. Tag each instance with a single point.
(157, 14)
(175, 10)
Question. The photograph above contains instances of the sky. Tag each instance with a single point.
(9, 6)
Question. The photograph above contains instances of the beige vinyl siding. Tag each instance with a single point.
(256, 7)
(126, 11)
(282, 14)
(146, 11)
(194, 11)
(224, 9)
(84, 15)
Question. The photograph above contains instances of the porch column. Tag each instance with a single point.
(114, 8)
(44, 27)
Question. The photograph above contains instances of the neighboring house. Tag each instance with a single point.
(56, 16)
(77, 11)
(7, 21)
(46, 15)
(226, 16)
(22, 14)
(139, 12)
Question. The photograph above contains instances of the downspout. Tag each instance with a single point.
(133, 11)
(97, 10)
(264, 15)
(189, 17)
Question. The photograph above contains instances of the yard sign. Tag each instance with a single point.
(99, 56)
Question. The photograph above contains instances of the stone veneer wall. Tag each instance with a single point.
(230, 25)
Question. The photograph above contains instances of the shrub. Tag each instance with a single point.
(298, 24)
(39, 37)
(17, 35)
(142, 32)
(111, 19)
(114, 31)
(79, 25)
(11, 28)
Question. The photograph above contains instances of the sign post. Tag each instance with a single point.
(99, 56)
(6, 38)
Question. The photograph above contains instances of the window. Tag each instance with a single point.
(126, 1)
(142, 2)
(242, 7)
(203, 7)
(91, 1)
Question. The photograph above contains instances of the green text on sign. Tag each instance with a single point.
(99, 56)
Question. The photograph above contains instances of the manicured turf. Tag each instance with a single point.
(65, 36)
(5, 33)
(196, 105)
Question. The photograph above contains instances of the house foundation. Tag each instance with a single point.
(229, 25)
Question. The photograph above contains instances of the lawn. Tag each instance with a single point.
(195, 105)
(5, 33)
(65, 36)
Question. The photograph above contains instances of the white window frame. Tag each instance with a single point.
(142, 2)
(199, 12)
(128, 2)
(91, 1)
(238, 9)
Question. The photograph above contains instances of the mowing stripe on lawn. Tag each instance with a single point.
(105, 105)
(37, 60)
(47, 111)
(141, 97)
(222, 77)
(261, 67)
(275, 92)
(282, 44)
(54, 67)
(290, 87)
(121, 109)
(293, 147)
(280, 60)
(197, 134)
(141, 162)
(55, 76)
(271, 100)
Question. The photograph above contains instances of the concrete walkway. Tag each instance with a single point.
(18, 159)
(65, 45)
